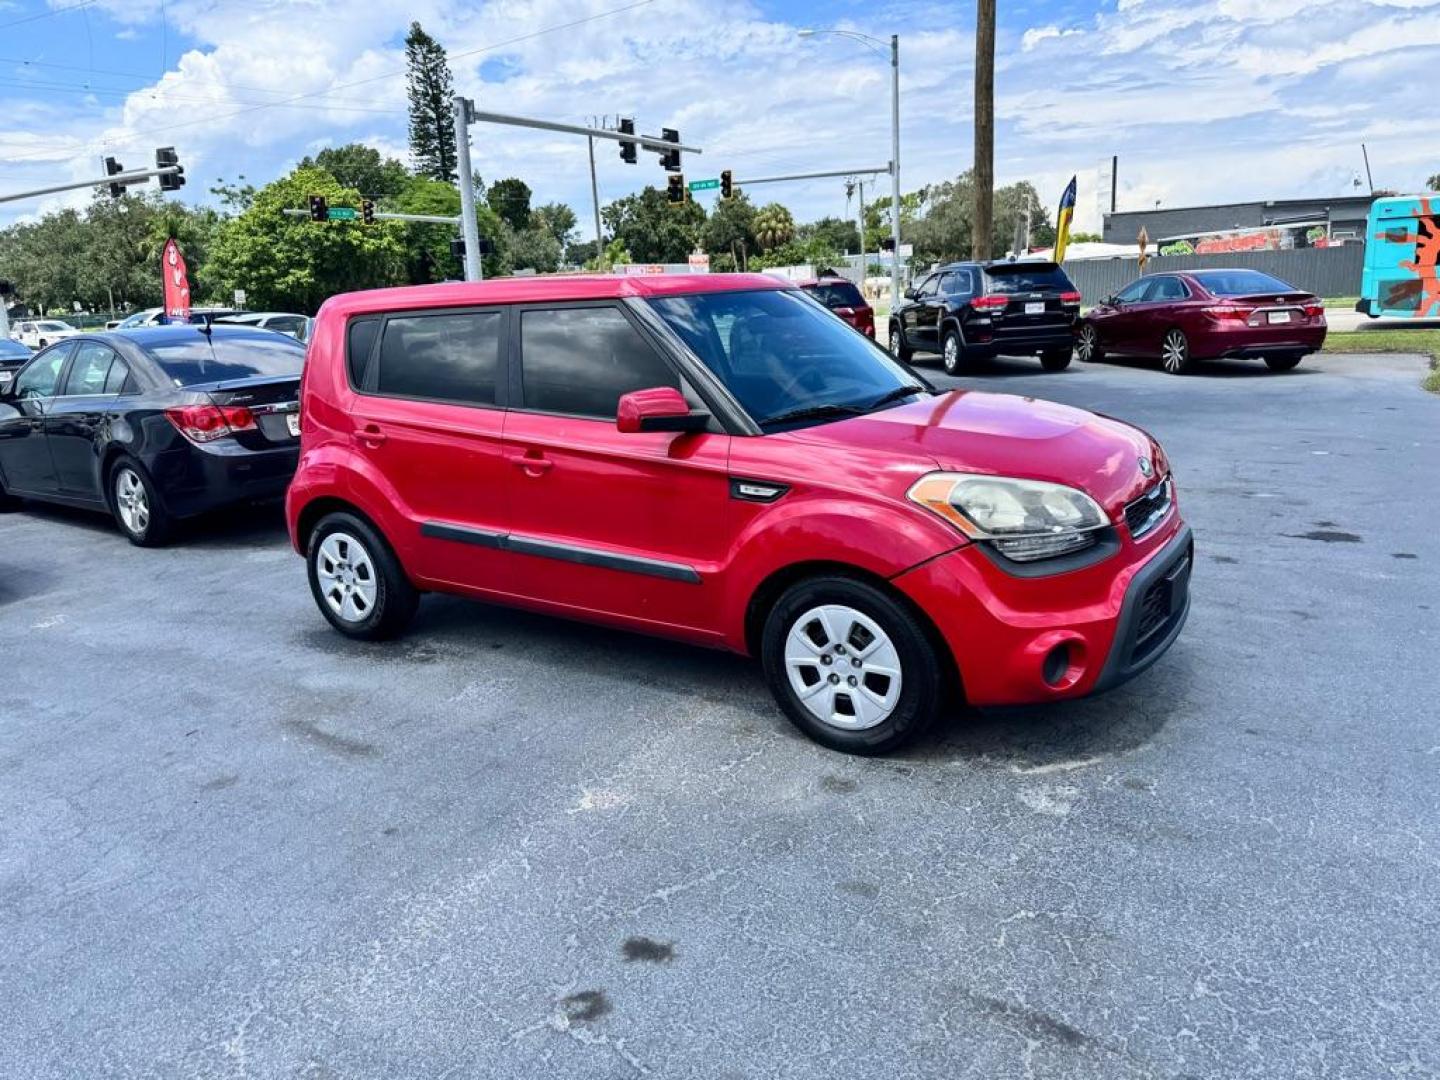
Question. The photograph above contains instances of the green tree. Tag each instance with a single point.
(431, 88)
(510, 198)
(840, 235)
(942, 229)
(1086, 238)
(236, 197)
(1433, 184)
(363, 168)
(774, 226)
(296, 264)
(559, 221)
(427, 247)
(532, 249)
(651, 230)
(730, 230)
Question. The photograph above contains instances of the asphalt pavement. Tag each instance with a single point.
(234, 844)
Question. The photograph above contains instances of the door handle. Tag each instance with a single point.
(532, 463)
(370, 436)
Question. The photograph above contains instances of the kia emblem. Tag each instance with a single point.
(1146, 469)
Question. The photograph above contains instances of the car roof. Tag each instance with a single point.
(523, 290)
(159, 335)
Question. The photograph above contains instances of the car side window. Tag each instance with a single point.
(42, 376)
(118, 380)
(930, 286)
(360, 340)
(1169, 288)
(445, 357)
(579, 361)
(90, 370)
(1132, 293)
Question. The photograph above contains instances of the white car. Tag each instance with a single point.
(37, 333)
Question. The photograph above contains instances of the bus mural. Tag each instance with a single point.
(1402, 259)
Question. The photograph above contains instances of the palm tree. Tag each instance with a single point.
(982, 236)
(774, 226)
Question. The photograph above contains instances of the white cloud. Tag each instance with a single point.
(1037, 34)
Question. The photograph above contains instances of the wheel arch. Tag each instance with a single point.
(314, 511)
(769, 591)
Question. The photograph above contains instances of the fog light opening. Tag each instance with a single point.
(1057, 665)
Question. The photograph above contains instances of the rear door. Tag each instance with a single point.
(429, 418)
(604, 521)
(24, 449)
(78, 413)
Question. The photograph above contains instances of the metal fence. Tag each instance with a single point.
(1322, 271)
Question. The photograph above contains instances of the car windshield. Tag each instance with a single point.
(1240, 282)
(783, 357)
(837, 294)
(140, 318)
(192, 358)
(1027, 277)
(53, 327)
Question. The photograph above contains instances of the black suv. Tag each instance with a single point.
(971, 311)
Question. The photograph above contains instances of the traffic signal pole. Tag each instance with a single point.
(123, 179)
(469, 227)
(810, 176)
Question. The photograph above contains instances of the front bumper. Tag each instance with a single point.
(1021, 640)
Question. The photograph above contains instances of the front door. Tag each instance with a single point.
(923, 331)
(1118, 323)
(24, 450)
(76, 416)
(602, 522)
(429, 419)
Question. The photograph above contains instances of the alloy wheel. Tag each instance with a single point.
(951, 354)
(1085, 347)
(347, 577)
(843, 667)
(131, 501)
(1174, 352)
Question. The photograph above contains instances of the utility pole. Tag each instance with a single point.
(864, 266)
(595, 202)
(895, 168)
(982, 237)
(469, 227)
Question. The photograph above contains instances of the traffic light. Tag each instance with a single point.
(367, 211)
(727, 184)
(627, 149)
(675, 189)
(165, 157)
(887, 244)
(319, 208)
(670, 159)
(111, 168)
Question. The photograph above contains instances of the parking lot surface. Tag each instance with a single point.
(233, 843)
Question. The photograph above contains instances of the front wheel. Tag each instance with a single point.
(851, 666)
(1175, 353)
(1087, 345)
(357, 581)
(1284, 362)
(136, 506)
(1055, 359)
(952, 352)
(898, 348)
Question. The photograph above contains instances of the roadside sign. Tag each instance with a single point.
(343, 213)
(704, 185)
(699, 263)
(239, 298)
(907, 251)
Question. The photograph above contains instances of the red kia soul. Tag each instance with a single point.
(718, 459)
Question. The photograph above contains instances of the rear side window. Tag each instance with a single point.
(581, 360)
(1028, 277)
(192, 357)
(359, 343)
(837, 294)
(451, 357)
(1168, 288)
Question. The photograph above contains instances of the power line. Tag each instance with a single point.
(116, 91)
(46, 14)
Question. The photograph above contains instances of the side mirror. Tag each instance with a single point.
(911, 294)
(662, 409)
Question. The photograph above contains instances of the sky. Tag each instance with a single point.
(1202, 100)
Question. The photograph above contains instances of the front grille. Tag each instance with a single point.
(1144, 513)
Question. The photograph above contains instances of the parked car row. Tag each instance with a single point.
(971, 311)
(712, 458)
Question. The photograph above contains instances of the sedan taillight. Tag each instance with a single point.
(1313, 310)
(989, 303)
(206, 423)
(1227, 312)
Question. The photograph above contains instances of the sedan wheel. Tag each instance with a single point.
(1087, 347)
(137, 510)
(1175, 353)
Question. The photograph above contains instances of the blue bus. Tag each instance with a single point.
(1402, 248)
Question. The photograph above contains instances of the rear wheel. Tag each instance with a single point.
(1175, 352)
(137, 508)
(952, 352)
(1087, 345)
(898, 348)
(1283, 362)
(1055, 359)
(851, 666)
(357, 581)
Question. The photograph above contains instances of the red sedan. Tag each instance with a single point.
(845, 300)
(1205, 315)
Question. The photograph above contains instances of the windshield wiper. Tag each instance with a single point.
(813, 412)
(895, 395)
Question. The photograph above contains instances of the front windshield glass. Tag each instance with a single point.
(140, 318)
(780, 353)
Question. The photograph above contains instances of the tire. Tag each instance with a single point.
(7, 501)
(135, 505)
(847, 613)
(952, 352)
(898, 348)
(356, 580)
(41, 345)
(1055, 359)
(1175, 353)
(1284, 362)
(1087, 345)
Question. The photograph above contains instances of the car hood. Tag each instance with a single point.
(1007, 435)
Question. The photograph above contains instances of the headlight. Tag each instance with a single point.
(1024, 520)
